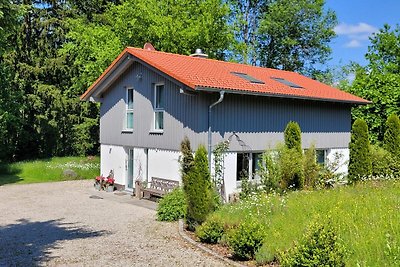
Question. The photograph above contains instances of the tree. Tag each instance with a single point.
(198, 190)
(391, 138)
(187, 161)
(379, 81)
(360, 156)
(291, 158)
(295, 35)
(292, 136)
(284, 34)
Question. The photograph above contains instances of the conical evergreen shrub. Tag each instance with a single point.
(391, 139)
(187, 160)
(293, 136)
(198, 190)
(360, 156)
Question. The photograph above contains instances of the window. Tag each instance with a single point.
(248, 164)
(247, 77)
(321, 155)
(129, 109)
(159, 107)
(286, 82)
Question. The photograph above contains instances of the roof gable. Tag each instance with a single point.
(203, 74)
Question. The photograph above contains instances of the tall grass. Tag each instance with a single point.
(48, 170)
(366, 216)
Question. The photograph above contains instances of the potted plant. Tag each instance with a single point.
(98, 182)
(109, 181)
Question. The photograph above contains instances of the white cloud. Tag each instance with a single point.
(353, 44)
(356, 33)
(358, 29)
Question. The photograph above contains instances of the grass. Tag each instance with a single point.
(49, 170)
(366, 217)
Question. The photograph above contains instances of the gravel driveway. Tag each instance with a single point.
(71, 224)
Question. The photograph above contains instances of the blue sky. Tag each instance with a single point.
(359, 19)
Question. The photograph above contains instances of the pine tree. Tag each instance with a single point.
(198, 190)
(360, 160)
(391, 139)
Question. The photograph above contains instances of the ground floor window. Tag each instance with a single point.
(321, 156)
(247, 165)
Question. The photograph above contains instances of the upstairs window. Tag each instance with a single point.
(159, 107)
(129, 109)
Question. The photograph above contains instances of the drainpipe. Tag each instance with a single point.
(221, 97)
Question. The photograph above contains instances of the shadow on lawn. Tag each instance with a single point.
(27, 243)
(9, 174)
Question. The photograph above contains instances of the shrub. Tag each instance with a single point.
(211, 231)
(198, 190)
(381, 161)
(292, 170)
(246, 239)
(391, 138)
(264, 255)
(360, 156)
(319, 247)
(311, 168)
(172, 206)
(270, 171)
(187, 160)
(293, 136)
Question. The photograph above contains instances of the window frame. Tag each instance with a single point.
(158, 110)
(129, 110)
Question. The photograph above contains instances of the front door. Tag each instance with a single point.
(129, 171)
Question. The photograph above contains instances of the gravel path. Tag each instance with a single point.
(71, 224)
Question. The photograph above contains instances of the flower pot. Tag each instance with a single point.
(110, 188)
(97, 186)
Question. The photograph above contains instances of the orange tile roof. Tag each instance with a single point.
(201, 73)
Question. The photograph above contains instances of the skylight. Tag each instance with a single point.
(247, 77)
(286, 82)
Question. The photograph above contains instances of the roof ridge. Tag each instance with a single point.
(209, 59)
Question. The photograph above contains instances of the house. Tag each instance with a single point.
(150, 100)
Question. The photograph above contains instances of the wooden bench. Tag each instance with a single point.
(159, 187)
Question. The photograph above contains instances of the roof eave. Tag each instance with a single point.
(94, 91)
(236, 91)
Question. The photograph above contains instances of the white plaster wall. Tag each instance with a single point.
(113, 158)
(230, 174)
(344, 160)
(164, 164)
(139, 165)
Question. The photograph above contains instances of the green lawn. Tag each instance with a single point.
(366, 216)
(49, 170)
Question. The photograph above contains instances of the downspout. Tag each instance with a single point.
(221, 97)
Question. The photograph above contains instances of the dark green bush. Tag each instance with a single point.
(360, 155)
(211, 231)
(293, 136)
(391, 138)
(311, 168)
(319, 247)
(198, 190)
(172, 206)
(186, 161)
(246, 239)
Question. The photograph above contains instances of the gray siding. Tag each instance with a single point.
(258, 121)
